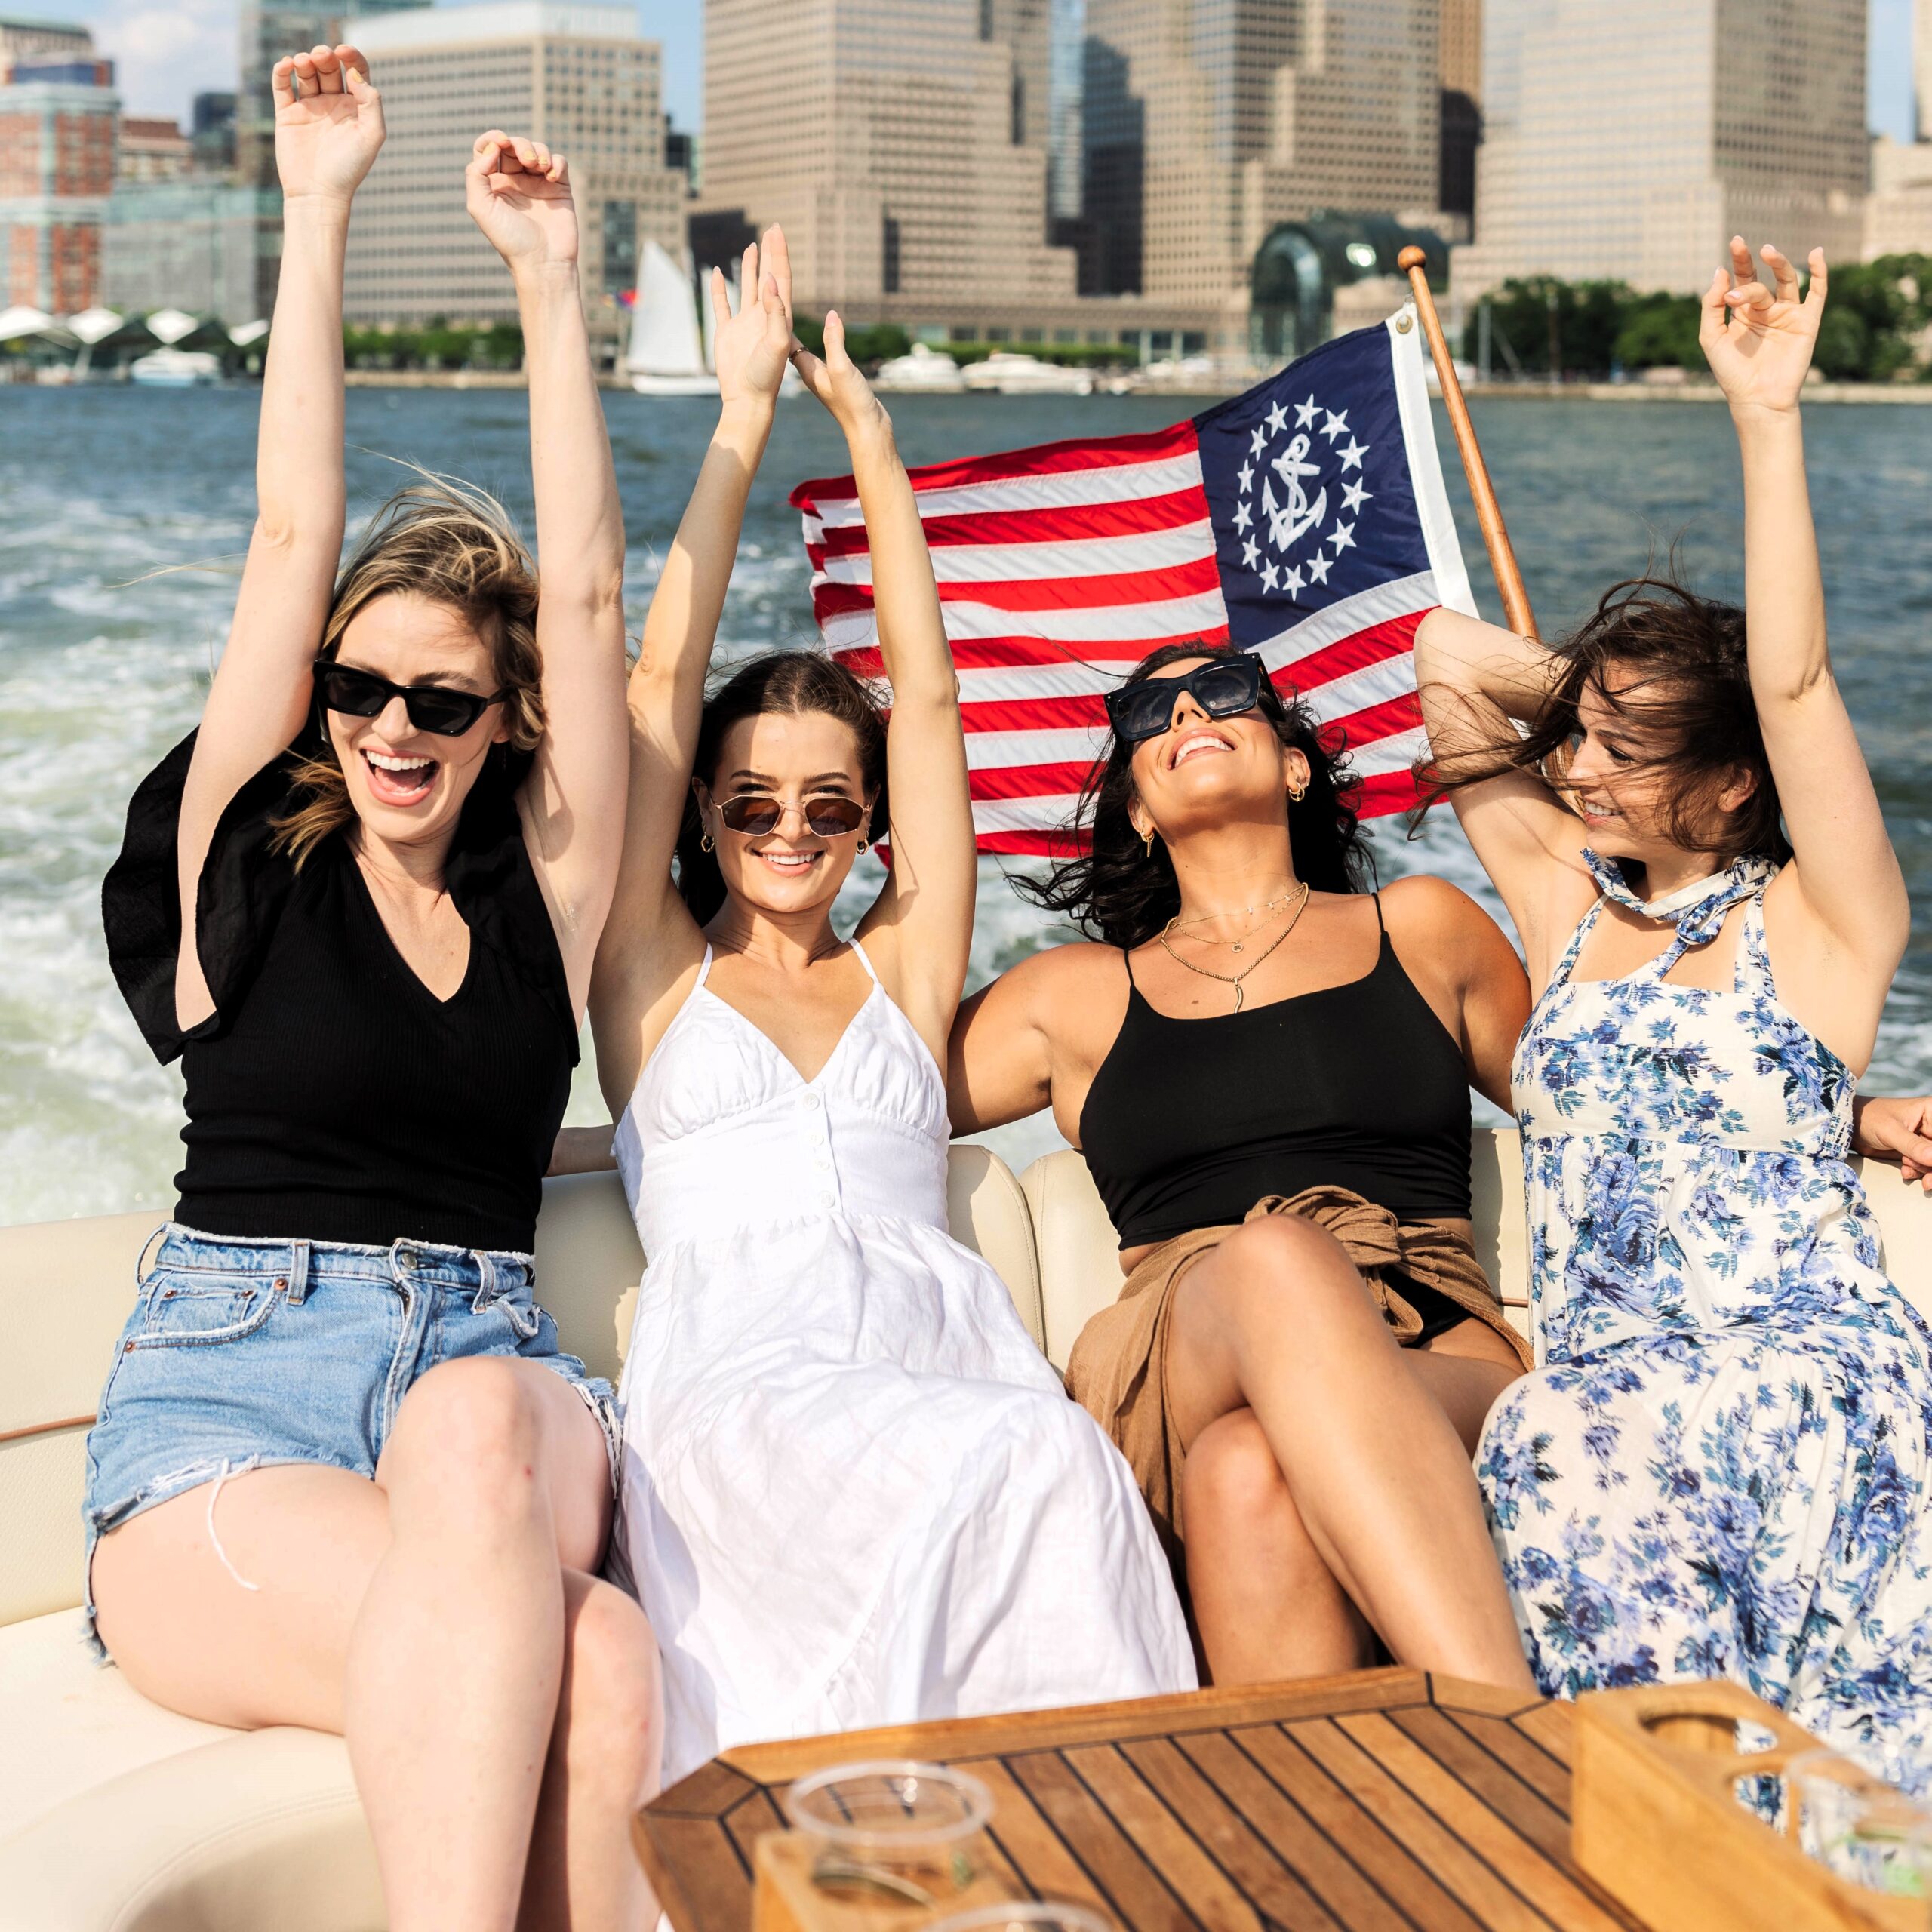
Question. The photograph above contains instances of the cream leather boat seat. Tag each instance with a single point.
(116, 1814)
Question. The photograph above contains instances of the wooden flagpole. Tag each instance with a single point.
(1516, 610)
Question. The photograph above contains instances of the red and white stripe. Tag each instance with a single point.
(1058, 569)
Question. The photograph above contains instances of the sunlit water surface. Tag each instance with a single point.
(106, 643)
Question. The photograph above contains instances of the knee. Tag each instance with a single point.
(612, 1723)
(1282, 1264)
(473, 1430)
(1239, 1521)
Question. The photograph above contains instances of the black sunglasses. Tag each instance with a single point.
(439, 708)
(1221, 688)
(755, 814)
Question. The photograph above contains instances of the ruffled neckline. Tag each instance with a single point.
(1696, 909)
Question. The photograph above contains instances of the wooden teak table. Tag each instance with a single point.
(1383, 1801)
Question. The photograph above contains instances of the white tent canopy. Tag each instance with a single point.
(94, 325)
(170, 325)
(18, 321)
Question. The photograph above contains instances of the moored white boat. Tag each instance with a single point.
(925, 370)
(1011, 373)
(176, 368)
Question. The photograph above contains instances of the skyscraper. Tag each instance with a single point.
(906, 151)
(270, 29)
(579, 77)
(1211, 121)
(1630, 142)
(58, 118)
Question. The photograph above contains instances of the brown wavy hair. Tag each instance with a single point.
(1119, 891)
(1688, 690)
(456, 546)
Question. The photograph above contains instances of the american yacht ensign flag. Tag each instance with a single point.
(1305, 521)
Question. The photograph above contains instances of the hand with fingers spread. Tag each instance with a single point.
(836, 381)
(1758, 340)
(518, 193)
(328, 123)
(751, 347)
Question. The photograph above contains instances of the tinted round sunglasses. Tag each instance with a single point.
(440, 709)
(1221, 688)
(754, 814)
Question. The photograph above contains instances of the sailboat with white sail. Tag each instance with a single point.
(667, 355)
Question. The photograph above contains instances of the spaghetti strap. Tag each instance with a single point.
(1379, 927)
(863, 961)
(1127, 960)
(704, 971)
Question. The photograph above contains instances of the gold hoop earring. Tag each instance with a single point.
(864, 843)
(1296, 793)
(706, 843)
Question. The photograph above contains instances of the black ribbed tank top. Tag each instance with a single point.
(1190, 1122)
(332, 1097)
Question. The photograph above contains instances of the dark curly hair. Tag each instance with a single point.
(792, 681)
(1118, 891)
(1689, 691)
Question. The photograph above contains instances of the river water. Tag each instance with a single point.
(124, 513)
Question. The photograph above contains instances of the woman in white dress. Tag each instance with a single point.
(854, 1492)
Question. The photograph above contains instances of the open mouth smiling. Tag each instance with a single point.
(395, 779)
(1203, 741)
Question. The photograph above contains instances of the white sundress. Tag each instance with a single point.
(853, 1491)
(1720, 1465)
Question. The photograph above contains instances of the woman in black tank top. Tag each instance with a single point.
(1269, 1070)
(342, 1475)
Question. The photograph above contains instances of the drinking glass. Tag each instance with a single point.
(1858, 1829)
(894, 1826)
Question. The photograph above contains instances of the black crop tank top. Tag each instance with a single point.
(331, 1096)
(1190, 1122)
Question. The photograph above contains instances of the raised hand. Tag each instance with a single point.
(1758, 340)
(835, 380)
(518, 193)
(751, 347)
(328, 122)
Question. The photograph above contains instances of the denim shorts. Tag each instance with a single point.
(241, 1354)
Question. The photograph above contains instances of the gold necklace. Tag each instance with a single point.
(1178, 923)
(1235, 979)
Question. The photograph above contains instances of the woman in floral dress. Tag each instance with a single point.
(1718, 1467)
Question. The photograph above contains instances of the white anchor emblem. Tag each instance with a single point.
(1288, 523)
(1294, 514)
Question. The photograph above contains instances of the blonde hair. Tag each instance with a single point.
(454, 545)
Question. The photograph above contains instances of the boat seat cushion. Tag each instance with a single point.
(115, 1813)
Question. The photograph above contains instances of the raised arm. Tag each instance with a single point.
(328, 128)
(518, 193)
(1476, 680)
(921, 931)
(649, 938)
(1845, 885)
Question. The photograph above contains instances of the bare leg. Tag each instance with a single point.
(1265, 1604)
(583, 1874)
(1277, 1320)
(312, 1541)
(458, 1655)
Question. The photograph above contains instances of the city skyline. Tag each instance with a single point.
(168, 51)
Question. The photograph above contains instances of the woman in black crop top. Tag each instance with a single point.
(1269, 1070)
(342, 1477)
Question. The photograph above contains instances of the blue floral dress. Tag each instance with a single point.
(1719, 1465)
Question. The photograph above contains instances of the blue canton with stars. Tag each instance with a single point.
(1308, 483)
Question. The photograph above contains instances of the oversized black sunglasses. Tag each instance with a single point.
(754, 814)
(1221, 688)
(441, 708)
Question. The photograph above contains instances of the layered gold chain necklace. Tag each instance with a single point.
(1300, 901)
